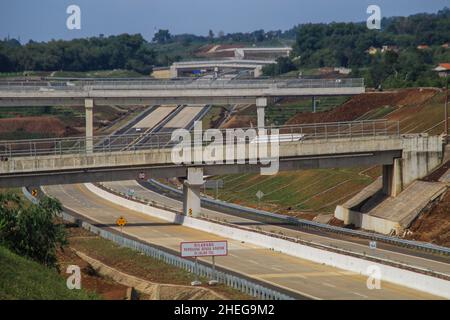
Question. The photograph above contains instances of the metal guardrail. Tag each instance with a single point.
(320, 226)
(246, 286)
(116, 143)
(88, 85)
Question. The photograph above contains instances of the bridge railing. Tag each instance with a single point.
(143, 141)
(88, 85)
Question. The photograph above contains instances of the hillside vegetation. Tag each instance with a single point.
(25, 279)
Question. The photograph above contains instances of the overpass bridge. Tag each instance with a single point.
(404, 158)
(179, 68)
(91, 93)
(158, 92)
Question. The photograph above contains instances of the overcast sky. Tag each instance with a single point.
(43, 20)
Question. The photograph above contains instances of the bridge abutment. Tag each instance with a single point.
(420, 156)
(191, 192)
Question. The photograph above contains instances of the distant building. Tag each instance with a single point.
(423, 47)
(443, 69)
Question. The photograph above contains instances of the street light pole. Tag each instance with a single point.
(446, 107)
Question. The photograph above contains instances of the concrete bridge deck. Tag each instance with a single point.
(331, 145)
(169, 92)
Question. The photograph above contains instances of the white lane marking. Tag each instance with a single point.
(72, 197)
(276, 269)
(361, 295)
(328, 285)
(253, 261)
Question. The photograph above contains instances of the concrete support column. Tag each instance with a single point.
(314, 104)
(387, 179)
(173, 72)
(392, 178)
(261, 104)
(258, 72)
(191, 192)
(89, 109)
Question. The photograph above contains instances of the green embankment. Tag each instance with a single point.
(21, 278)
(319, 191)
(315, 191)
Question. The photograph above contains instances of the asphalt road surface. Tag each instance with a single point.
(140, 191)
(304, 277)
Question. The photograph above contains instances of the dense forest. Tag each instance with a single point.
(315, 46)
(97, 53)
(402, 63)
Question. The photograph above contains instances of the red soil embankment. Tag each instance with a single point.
(433, 226)
(361, 104)
(44, 125)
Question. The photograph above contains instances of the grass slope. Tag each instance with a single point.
(319, 191)
(22, 279)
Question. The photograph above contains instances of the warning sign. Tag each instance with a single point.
(204, 248)
(121, 222)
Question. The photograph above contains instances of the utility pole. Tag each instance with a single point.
(446, 108)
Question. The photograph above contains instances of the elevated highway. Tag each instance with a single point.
(329, 145)
(169, 92)
(91, 93)
(322, 145)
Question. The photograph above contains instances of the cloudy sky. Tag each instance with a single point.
(46, 19)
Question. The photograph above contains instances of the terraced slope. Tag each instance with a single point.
(311, 192)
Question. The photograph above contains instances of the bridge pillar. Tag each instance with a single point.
(173, 72)
(261, 104)
(191, 192)
(89, 109)
(392, 178)
(258, 72)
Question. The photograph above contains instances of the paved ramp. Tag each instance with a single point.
(185, 117)
(445, 177)
(155, 117)
(404, 208)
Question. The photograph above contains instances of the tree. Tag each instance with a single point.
(283, 65)
(211, 35)
(162, 36)
(258, 35)
(30, 231)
